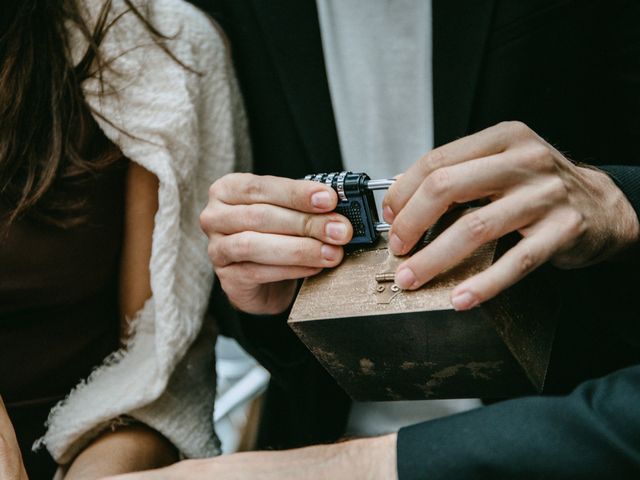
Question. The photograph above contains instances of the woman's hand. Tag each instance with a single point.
(569, 215)
(267, 232)
(11, 466)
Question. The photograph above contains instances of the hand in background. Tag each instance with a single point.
(566, 214)
(267, 232)
(11, 466)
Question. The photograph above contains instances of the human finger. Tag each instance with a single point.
(258, 274)
(527, 255)
(302, 195)
(489, 141)
(486, 177)
(229, 219)
(273, 249)
(466, 235)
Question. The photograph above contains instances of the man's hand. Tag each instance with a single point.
(567, 214)
(367, 459)
(11, 466)
(267, 232)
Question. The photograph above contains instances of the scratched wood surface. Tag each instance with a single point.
(384, 345)
(352, 290)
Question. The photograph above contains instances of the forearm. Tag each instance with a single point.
(11, 466)
(127, 449)
(366, 459)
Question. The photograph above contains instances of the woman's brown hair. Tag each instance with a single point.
(44, 120)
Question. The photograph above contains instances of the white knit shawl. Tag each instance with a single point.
(188, 129)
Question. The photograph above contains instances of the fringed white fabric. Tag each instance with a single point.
(188, 128)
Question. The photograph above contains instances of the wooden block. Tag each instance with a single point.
(382, 343)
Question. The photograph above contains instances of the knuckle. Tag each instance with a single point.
(516, 128)
(526, 261)
(219, 188)
(404, 225)
(251, 185)
(216, 189)
(539, 157)
(253, 275)
(217, 254)
(243, 245)
(253, 217)
(575, 224)
(206, 220)
(433, 160)
(308, 224)
(298, 196)
(223, 275)
(390, 197)
(477, 227)
(555, 192)
(439, 182)
(300, 251)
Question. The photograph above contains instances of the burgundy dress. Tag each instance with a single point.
(58, 305)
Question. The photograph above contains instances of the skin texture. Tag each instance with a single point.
(11, 467)
(367, 459)
(566, 214)
(127, 449)
(141, 207)
(266, 232)
(135, 447)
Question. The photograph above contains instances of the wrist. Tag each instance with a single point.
(623, 231)
(374, 458)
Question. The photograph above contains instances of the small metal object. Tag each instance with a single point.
(340, 186)
(329, 179)
(395, 288)
(357, 203)
(385, 277)
(380, 288)
(381, 184)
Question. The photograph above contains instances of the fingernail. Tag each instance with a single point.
(329, 252)
(396, 245)
(405, 278)
(336, 230)
(388, 214)
(464, 301)
(321, 200)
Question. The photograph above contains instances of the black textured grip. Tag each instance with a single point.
(355, 201)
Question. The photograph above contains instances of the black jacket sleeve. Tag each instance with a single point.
(627, 178)
(592, 433)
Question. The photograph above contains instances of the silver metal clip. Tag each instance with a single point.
(381, 184)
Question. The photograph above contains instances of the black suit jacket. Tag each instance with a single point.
(594, 433)
(570, 69)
